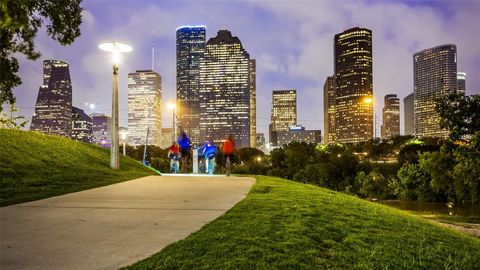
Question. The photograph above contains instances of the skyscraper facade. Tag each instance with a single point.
(461, 77)
(284, 113)
(434, 76)
(390, 117)
(144, 107)
(53, 109)
(81, 126)
(329, 110)
(408, 114)
(101, 127)
(253, 103)
(224, 93)
(190, 49)
(353, 85)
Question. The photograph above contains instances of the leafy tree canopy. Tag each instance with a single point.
(19, 24)
(459, 114)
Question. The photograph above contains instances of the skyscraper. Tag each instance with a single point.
(190, 49)
(408, 114)
(144, 107)
(101, 129)
(329, 110)
(253, 103)
(353, 85)
(461, 77)
(434, 76)
(81, 126)
(224, 93)
(53, 109)
(390, 117)
(284, 112)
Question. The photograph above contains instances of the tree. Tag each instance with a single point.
(8, 120)
(19, 23)
(459, 114)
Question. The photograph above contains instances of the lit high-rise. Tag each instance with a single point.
(434, 76)
(224, 93)
(408, 114)
(81, 126)
(390, 117)
(329, 110)
(253, 104)
(53, 109)
(144, 107)
(190, 49)
(353, 85)
(461, 84)
(284, 112)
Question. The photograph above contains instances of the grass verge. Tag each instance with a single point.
(287, 225)
(35, 166)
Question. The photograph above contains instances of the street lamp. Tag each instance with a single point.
(116, 49)
(173, 107)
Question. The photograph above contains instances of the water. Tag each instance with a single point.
(436, 208)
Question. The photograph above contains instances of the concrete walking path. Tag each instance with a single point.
(113, 226)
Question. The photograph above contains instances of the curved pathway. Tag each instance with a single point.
(113, 226)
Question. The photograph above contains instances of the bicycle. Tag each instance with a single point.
(228, 164)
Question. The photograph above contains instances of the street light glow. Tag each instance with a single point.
(116, 49)
(368, 100)
(172, 106)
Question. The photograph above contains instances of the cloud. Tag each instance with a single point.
(291, 40)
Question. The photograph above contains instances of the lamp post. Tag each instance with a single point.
(173, 107)
(115, 48)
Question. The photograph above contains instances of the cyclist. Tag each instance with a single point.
(184, 143)
(209, 152)
(174, 155)
(228, 147)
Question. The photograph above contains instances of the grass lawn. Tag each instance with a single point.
(288, 225)
(35, 166)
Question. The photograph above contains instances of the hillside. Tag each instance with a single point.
(287, 225)
(35, 166)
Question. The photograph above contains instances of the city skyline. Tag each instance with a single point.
(300, 65)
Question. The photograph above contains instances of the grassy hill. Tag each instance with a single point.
(35, 166)
(287, 225)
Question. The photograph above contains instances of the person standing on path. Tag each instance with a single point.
(228, 147)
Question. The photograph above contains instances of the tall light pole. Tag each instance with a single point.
(173, 107)
(115, 48)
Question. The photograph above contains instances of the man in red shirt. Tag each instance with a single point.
(228, 147)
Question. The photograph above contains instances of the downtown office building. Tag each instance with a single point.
(190, 49)
(53, 109)
(224, 93)
(82, 129)
(434, 77)
(390, 117)
(284, 113)
(329, 110)
(353, 86)
(144, 108)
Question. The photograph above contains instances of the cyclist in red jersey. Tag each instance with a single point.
(228, 147)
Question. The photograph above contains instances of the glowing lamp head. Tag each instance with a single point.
(368, 100)
(116, 49)
(172, 106)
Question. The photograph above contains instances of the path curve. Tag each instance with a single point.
(113, 226)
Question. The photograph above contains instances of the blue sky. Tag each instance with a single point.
(291, 40)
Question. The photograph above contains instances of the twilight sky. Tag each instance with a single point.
(291, 40)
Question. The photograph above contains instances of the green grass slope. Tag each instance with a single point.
(287, 225)
(35, 166)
